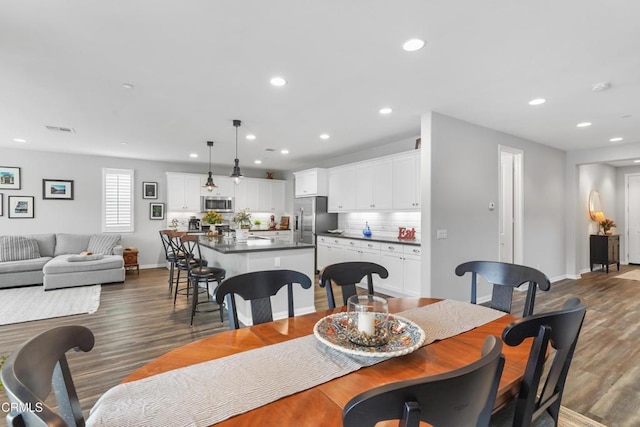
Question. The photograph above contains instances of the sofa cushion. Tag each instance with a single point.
(46, 243)
(103, 243)
(71, 243)
(35, 264)
(17, 248)
(61, 264)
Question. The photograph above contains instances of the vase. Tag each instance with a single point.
(242, 235)
(608, 232)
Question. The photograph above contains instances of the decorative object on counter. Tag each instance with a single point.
(272, 222)
(257, 223)
(270, 175)
(212, 217)
(57, 189)
(284, 223)
(149, 190)
(406, 234)
(210, 234)
(210, 185)
(607, 225)
(236, 174)
(598, 217)
(156, 210)
(174, 224)
(9, 178)
(367, 230)
(21, 207)
(243, 222)
(368, 320)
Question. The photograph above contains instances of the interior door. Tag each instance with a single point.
(506, 207)
(633, 218)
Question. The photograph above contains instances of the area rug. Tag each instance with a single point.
(33, 303)
(630, 275)
(567, 418)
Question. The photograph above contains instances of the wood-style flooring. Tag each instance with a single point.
(137, 322)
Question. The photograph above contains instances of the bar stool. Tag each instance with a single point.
(171, 252)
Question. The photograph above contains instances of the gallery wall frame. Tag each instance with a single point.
(1, 204)
(57, 189)
(149, 190)
(156, 210)
(21, 206)
(9, 178)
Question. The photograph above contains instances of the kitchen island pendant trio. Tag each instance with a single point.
(236, 174)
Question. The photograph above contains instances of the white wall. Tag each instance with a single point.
(463, 179)
(83, 214)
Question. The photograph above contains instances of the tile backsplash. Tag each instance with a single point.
(382, 224)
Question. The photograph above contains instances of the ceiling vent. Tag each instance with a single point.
(270, 149)
(60, 129)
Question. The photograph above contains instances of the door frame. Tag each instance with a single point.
(626, 215)
(518, 200)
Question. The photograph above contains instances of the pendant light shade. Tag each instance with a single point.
(209, 185)
(236, 174)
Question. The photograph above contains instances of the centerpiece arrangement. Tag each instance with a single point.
(212, 217)
(607, 225)
(242, 219)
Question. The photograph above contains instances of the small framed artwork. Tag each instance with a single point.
(1, 204)
(149, 190)
(156, 210)
(21, 206)
(61, 189)
(9, 178)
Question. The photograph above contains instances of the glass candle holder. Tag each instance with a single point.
(368, 320)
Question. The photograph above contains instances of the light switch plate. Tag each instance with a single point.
(441, 234)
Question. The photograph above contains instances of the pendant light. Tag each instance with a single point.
(236, 174)
(209, 185)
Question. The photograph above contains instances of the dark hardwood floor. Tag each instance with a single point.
(137, 322)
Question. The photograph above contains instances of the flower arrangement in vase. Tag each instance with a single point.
(607, 225)
(212, 217)
(243, 219)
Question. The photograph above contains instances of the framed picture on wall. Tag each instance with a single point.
(21, 206)
(9, 178)
(1, 204)
(61, 189)
(149, 190)
(156, 210)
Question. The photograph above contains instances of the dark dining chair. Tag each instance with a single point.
(185, 263)
(198, 273)
(35, 368)
(258, 287)
(347, 275)
(560, 330)
(505, 277)
(171, 252)
(462, 397)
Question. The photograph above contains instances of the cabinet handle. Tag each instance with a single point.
(416, 251)
(391, 248)
(370, 245)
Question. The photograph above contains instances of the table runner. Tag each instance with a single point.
(210, 392)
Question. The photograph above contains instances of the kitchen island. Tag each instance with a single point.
(259, 254)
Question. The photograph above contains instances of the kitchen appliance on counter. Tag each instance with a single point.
(216, 203)
(194, 224)
(311, 217)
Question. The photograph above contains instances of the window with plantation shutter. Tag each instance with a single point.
(117, 192)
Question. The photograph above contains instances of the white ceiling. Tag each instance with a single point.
(196, 65)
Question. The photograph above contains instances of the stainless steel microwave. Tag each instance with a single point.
(216, 203)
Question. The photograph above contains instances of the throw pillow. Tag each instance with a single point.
(16, 248)
(103, 243)
(76, 258)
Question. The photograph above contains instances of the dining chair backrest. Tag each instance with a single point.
(189, 248)
(347, 275)
(171, 244)
(257, 287)
(34, 368)
(462, 397)
(505, 277)
(559, 329)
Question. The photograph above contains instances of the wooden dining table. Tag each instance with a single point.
(322, 405)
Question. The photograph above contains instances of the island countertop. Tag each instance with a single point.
(372, 239)
(252, 245)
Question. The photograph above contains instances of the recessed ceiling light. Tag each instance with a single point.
(19, 140)
(599, 87)
(537, 101)
(257, 162)
(278, 81)
(124, 143)
(616, 139)
(636, 161)
(193, 155)
(626, 116)
(250, 137)
(127, 85)
(284, 151)
(324, 136)
(413, 45)
(583, 124)
(385, 110)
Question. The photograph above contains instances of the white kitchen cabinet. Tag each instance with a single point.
(374, 185)
(403, 263)
(310, 182)
(411, 270)
(278, 195)
(225, 186)
(329, 251)
(260, 195)
(183, 192)
(342, 189)
(406, 181)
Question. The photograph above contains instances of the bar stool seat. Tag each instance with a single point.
(201, 274)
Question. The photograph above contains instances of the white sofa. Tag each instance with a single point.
(55, 260)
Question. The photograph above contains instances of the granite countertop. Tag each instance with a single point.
(372, 238)
(252, 245)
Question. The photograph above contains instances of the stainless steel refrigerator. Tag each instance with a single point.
(311, 217)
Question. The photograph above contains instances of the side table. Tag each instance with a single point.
(130, 256)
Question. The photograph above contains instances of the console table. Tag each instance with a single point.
(604, 250)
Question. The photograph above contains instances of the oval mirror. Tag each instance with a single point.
(594, 204)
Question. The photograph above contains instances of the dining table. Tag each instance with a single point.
(322, 404)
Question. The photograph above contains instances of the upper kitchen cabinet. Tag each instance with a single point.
(260, 195)
(406, 181)
(342, 191)
(311, 182)
(183, 192)
(225, 186)
(374, 185)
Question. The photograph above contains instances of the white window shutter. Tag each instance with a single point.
(117, 200)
